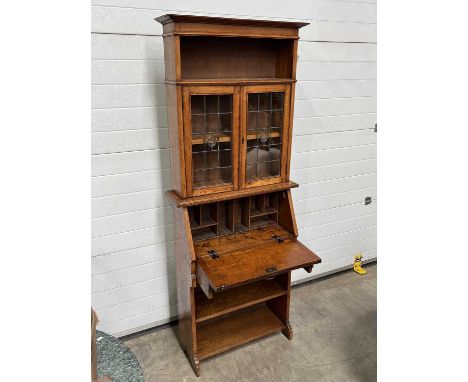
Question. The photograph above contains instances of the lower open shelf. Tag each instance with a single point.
(235, 299)
(214, 337)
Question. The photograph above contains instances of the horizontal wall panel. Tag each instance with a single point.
(134, 291)
(139, 22)
(119, 163)
(335, 89)
(331, 156)
(119, 204)
(342, 170)
(299, 275)
(335, 186)
(262, 9)
(140, 322)
(127, 96)
(331, 215)
(332, 218)
(128, 118)
(305, 207)
(108, 185)
(333, 140)
(125, 20)
(335, 106)
(367, 247)
(126, 47)
(343, 11)
(132, 239)
(135, 307)
(339, 31)
(328, 51)
(337, 227)
(127, 72)
(109, 225)
(130, 140)
(132, 257)
(361, 1)
(341, 239)
(336, 70)
(335, 123)
(132, 275)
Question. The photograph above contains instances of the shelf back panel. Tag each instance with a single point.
(205, 57)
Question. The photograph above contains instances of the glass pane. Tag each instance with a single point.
(225, 174)
(251, 155)
(211, 140)
(264, 125)
(251, 172)
(212, 105)
(263, 154)
(199, 178)
(225, 105)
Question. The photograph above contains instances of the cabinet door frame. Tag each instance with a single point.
(285, 143)
(188, 91)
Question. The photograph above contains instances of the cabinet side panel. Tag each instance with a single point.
(290, 131)
(185, 290)
(280, 305)
(291, 107)
(171, 57)
(176, 147)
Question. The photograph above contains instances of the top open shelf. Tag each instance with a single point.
(208, 58)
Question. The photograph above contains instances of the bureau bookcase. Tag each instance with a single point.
(230, 94)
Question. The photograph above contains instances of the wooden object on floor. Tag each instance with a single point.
(94, 377)
(230, 94)
(94, 321)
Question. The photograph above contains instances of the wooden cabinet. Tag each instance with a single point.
(230, 94)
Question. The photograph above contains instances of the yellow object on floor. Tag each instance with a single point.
(358, 265)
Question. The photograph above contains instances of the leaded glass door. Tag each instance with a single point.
(211, 126)
(265, 126)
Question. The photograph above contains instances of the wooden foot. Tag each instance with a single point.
(288, 331)
(195, 364)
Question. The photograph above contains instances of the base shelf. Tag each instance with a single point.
(235, 330)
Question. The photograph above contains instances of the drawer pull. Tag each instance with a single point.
(271, 270)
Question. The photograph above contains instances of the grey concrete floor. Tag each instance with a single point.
(335, 339)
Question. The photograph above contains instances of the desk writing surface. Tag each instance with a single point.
(251, 256)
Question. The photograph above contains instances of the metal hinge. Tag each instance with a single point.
(277, 238)
(375, 128)
(367, 200)
(213, 254)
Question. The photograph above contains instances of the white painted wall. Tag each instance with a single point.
(334, 146)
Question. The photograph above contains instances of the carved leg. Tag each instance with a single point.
(288, 331)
